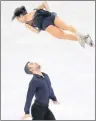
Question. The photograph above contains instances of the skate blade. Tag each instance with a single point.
(89, 41)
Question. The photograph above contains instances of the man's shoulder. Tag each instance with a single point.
(45, 73)
(33, 80)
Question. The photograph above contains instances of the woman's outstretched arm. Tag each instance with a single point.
(32, 29)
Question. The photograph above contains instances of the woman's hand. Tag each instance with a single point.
(46, 6)
(26, 116)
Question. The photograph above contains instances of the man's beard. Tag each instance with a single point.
(39, 66)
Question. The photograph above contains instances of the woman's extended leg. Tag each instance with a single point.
(58, 33)
(82, 38)
(60, 23)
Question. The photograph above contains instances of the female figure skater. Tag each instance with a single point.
(42, 19)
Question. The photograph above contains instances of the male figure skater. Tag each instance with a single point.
(40, 86)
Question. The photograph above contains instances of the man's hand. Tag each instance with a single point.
(56, 102)
(26, 116)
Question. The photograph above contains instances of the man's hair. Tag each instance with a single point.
(19, 11)
(27, 69)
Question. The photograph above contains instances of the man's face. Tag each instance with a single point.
(33, 66)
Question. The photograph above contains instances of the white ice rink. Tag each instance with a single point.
(70, 67)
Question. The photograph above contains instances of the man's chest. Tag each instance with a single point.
(44, 82)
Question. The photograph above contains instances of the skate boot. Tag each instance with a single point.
(81, 42)
(80, 39)
(88, 40)
(84, 39)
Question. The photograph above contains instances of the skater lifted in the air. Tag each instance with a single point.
(40, 86)
(42, 19)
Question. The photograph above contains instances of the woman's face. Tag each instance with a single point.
(21, 19)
